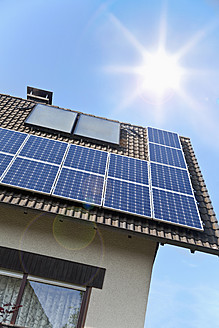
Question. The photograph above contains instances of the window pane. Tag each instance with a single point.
(49, 306)
(9, 288)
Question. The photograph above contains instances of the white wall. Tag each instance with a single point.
(128, 261)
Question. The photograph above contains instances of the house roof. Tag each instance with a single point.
(133, 143)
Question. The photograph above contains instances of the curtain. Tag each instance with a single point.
(43, 305)
(9, 288)
(48, 306)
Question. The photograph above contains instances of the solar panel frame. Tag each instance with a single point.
(166, 155)
(131, 184)
(74, 174)
(44, 149)
(170, 178)
(29, 168)
(163, 137)
(92, 153)
(19, 139)
(128, 169)
(4, 164)
(157, 200)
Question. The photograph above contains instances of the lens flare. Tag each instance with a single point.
(71, 235)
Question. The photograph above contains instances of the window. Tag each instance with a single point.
(38, 303)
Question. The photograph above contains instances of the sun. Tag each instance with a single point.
(159, 74)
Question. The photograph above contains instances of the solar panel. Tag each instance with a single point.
(86, 159)
(38, 166)
(127, 197)
(4, 162)
(10, 141)
(44, 149)
(166, 155)
(31, 175)
(53, 118)
(176, 208)
(81, 186)
(171, 178)
(98, 129)
(127, 168)
(164, 137)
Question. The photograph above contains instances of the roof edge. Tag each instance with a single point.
(161, 240)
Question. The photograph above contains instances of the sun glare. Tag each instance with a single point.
(159, 74)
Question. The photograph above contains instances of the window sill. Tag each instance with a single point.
(8, 325)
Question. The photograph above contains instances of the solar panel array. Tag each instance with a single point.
(172, 195)
(52, 167)
(35, 161)
(127, 185)
(158, 189)
(82, 175)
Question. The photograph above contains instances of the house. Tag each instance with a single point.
(77, 247)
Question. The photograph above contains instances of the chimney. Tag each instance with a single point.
(39, 95)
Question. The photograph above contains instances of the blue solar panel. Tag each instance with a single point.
(127, 168)
(82, 176)
(127, 197)
(176, 208)
(10, 141)
(163, 137)
(86, 159)
(80, 186)
(44, 149)
(4, 162)
(31, 175)
(166, 155)
(171, 178)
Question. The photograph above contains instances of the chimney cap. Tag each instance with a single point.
(39, 95)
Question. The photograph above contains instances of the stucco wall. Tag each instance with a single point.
(128, 261)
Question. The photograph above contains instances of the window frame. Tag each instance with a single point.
(25, 277)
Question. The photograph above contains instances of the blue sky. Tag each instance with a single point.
(85, 52)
